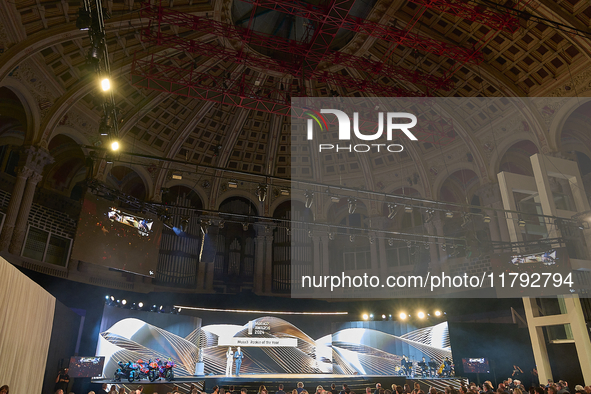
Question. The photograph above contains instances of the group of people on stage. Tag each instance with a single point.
(237, 357)
(425, 368)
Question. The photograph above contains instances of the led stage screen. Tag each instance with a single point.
(272, 344)
(113, 237)
(475, 365)
(86, 367)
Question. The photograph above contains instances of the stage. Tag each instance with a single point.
(251, 382)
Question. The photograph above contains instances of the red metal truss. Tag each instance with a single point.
(479, 14)
(389, 34)
(493, 19)
(157, 72)
(253, 60)
(325, 33)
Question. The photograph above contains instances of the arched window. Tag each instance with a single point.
(292, 247)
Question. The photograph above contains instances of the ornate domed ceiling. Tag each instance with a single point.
(45, 54)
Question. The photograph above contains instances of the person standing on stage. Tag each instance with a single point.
(238, 356)
(229, 356)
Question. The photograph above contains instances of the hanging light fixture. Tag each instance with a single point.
(309, 198)
(392, 211)
(352, 203)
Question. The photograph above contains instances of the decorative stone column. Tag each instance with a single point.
(259, 259)
(22, 174)
(490, 196)
(324, 254)
(381, 223)
(316, 245)
(20, 228)
(269, 258)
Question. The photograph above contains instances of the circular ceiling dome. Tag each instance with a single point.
(291, 27)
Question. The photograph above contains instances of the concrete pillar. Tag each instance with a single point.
(580, 334)
(20, 228)
(13, 206)
(438, 224)
(536, 334)
(433, 253)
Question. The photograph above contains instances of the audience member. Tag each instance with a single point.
(378, 387)
(122, 390)
(103, 389)
(280, 391)
(333, 389)
(300, 387)
(4, 389)
(345, 389)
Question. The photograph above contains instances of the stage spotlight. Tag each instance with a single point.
(107, 297)
(449, 214)
(430, 215)
(205, 226)
(365, 316)
(390, 242)
(245, 226)
(437, 313)
(232, 184)
(154, 308)
(421, 315)
(109, 159)
(402, 316)
(408, 209)
(331, 236)
(309, 198)
(371, 316)
(486, 219)
(185, 223)
(123, 302)
(521, 222)
(389, 317)
(161, 308)
(112, 298)
(179, 309)
(351, 238)
(352, 203)
(140, 305)
(105, 84)
(383, 317)
(221, 224)
(114, 145)
(84, 19)
(392, 211)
